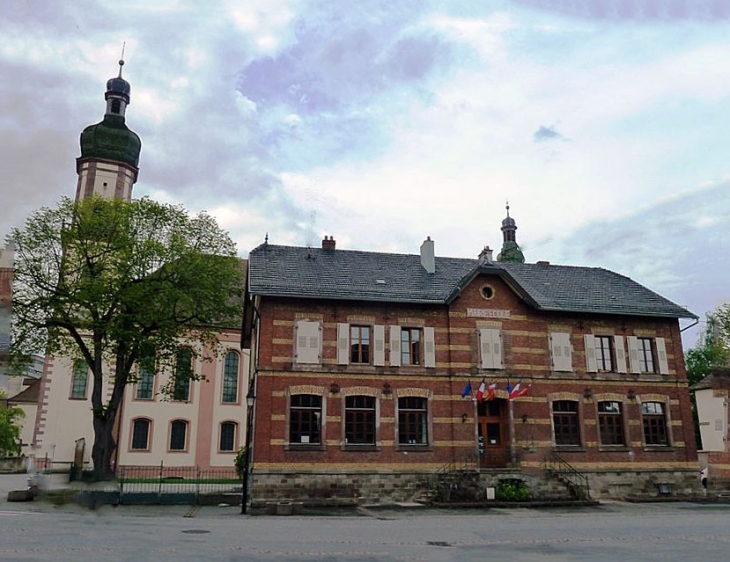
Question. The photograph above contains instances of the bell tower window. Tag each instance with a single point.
(116, 106)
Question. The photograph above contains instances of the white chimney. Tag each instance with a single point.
(485, 256)
(428, 258)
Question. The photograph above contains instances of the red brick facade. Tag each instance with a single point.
(454, 421)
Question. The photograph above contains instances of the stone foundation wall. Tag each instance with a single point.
(648, 483)
(372, 488)
(340, 489)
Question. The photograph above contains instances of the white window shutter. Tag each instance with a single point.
(562, 352)
(633, 343)
(490, 348)
(308, 338)
(590, 345)
(395, 346)
(618, 346)
(661, 351)
(343, 343)
(429, 347)
(485, 348)
(379, 341)
(497, 348)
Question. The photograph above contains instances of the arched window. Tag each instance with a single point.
(305, 419)
(183, 373)
(80, 380)
(141, 434)
(566, 425)
(360, 420)
(116, 106)
(412, 420)
(178, 435)
(611, 423)
(230, 378)
(228, 436)
(654, 418)
(146, 382)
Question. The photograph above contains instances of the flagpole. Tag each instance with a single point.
(512, 441)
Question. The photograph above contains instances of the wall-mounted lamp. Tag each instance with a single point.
(463, 418)
(587, 393)
(631, 395)
(387, 390)
(525, 417)
(335, 388)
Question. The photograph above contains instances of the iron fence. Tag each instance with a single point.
(175, 484)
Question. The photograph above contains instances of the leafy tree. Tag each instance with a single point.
(10, 431)
(712, 346)
(105, 281)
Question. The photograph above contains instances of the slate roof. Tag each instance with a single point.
(290, 271)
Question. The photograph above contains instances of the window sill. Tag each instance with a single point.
(406, 448)
(613, 448)
(360, 448)
(304, 447)
(658, 448)
(570, 448)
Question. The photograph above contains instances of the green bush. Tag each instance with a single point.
(512, 490)
(239, 461)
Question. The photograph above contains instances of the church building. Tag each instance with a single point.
(203, 427)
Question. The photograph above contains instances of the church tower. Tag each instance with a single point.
(511, 251)
(109, 150)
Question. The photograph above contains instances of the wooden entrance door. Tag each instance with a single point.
(493, 434)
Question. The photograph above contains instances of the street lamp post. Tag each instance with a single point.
(250, 399)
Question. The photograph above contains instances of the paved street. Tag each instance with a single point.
(613, 532)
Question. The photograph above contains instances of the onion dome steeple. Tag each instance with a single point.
(109, 149)
(511, 251)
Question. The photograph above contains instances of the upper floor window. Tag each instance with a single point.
(146, 381)
(80, 380)
(611, 423)
(566, 425)
(654, 419)
(360, 420)
(183, 374)
(230, 378)
(141, 434)
(360, 344)
(305, 418)
(179, 435)
(227, 441)
(410, 346)
(603, 353)
(412, 420)
(648, 355)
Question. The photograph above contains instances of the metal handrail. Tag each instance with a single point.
(556, 464)
(469, 461)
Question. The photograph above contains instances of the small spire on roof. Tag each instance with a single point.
(121, 59)
(266, 238)
(507, 208)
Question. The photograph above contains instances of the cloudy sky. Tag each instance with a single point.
(605, 123)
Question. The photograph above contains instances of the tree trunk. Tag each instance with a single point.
(104, 445)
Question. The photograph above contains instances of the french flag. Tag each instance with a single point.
(480, 391)
(519, 390)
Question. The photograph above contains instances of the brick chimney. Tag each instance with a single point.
(428, 259)
(328, 243)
